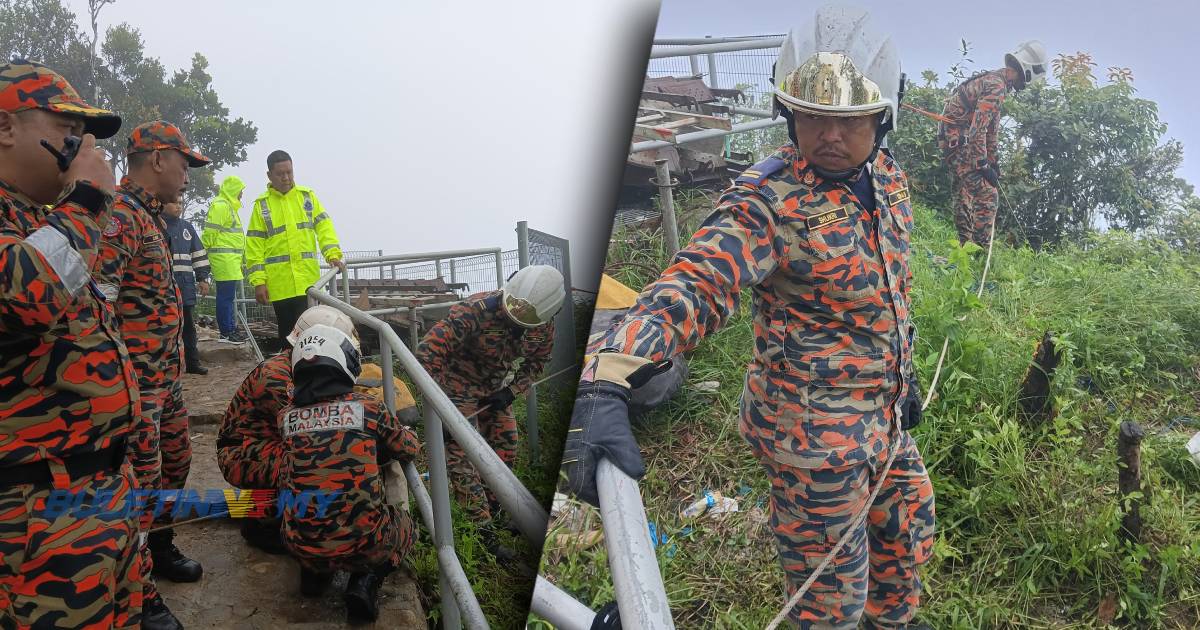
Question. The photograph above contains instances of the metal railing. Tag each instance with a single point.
(526, 513)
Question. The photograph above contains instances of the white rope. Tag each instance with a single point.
(892, 450)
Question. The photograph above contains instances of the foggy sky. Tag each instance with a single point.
(424, 126)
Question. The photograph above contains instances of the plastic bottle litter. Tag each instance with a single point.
(711, 503)
(1193, 447)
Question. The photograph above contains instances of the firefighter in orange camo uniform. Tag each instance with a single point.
(484, 354)
(135, 273)
(250, 449)
(338, 440)
(967, 138)
(68, 395)
(819, 232)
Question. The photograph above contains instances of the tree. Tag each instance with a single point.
(1070, 154)
(123, 78)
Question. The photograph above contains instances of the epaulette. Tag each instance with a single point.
(759, 173)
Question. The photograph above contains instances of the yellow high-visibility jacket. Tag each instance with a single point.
(282, 240)
(222, 236)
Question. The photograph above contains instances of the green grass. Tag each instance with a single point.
(503, 596)
(1027, 517)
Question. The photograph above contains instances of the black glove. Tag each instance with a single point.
(498, 400)
(599, 430)
(910, 411)
(991, 174)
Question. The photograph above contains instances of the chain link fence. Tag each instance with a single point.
(747, 70)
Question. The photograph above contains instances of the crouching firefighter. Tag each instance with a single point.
(336, 441)
(819, 232)
(249, 445)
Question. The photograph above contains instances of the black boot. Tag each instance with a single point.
(313, 583)
(156, 615)
(362, 593)
(196, 368)
(266, 535)
(169, 561)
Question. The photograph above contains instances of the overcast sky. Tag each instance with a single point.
(1155, 38)
(433, 126)
(425, 126)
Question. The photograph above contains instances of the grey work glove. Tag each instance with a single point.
(600, 430)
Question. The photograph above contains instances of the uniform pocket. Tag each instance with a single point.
(838, 270)
(826, 405)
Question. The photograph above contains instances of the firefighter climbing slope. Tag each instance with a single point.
(483, 355)
(819, 232)
(967, 137)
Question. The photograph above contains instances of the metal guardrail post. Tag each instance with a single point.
(443, 533)
(250, 335)
(559, 608)
(437, 265)
(385, 366)
(346, 284)
(499, 270)
(694, 62)
(636, 578)
(666, 199)
(453, 271)
(531, 409)
(712, 71)
(414, 333)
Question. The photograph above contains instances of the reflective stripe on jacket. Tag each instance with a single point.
(189, 260)
(283, 238)
(223, 237)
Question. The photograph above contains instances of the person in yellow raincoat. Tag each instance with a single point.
(225, 241)
(287, 227)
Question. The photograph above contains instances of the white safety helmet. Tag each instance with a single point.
(1030, 61)
(327, 315)
(533, 295)
(839, 66)
(322, 345)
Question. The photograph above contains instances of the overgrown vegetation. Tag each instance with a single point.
(503, 595)
(1027, 517)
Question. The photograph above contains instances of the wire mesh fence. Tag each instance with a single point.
(747, 70)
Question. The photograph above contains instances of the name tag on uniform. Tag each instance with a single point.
(151, 239)
(898, 196)
(819, 221)
(333, 416)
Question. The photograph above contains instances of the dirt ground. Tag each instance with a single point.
(243, 587)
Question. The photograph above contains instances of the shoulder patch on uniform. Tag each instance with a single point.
(898, 196)
(759, 173)
(187, 235)
(113, 227)
(818, 221)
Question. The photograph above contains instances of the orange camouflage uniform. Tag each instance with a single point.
(66, 389)
(359, 530)
(249, 446)
(475, 351)
(831, 363)
(967, 139)
(135, 273)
